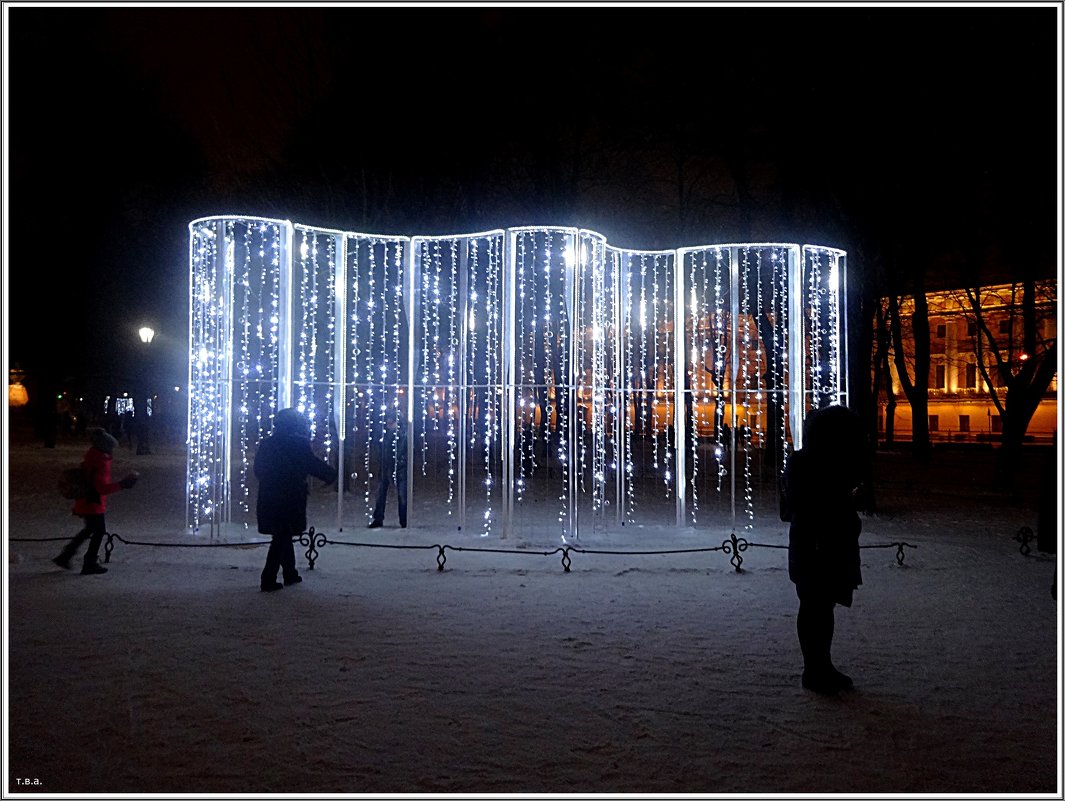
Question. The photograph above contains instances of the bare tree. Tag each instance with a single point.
(914, 380)
(882, 370)
(1019, 361)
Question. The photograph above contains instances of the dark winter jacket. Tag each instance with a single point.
(825, 526)
(97, 465)
(282, 465)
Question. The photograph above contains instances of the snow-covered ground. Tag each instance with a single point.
(667, 673)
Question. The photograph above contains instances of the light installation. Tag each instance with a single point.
(548, 380)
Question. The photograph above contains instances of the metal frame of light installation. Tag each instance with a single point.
(533, 366)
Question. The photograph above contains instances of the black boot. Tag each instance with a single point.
(63, 560)
(92, 569)
(820, 681)
(844, 681)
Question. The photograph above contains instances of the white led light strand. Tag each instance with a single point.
(719, 369)
(630, 390)
(452, 385)
(816, 296)
(696, 359)
(744, 435)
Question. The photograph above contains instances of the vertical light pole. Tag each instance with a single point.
(140, 413)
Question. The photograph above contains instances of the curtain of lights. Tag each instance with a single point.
(458, 376)
(376, 375)
(546, 380)
(647, 434)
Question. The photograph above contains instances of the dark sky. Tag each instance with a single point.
(927, 131)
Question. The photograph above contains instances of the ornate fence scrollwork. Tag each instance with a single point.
(1024, 536)
(312, 539)
(735, 546)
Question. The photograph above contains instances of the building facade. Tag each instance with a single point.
(977, 337)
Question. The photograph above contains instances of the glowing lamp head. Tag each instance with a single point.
(146, 334)
(17, 395)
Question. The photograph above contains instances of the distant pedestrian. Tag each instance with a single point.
(393, 467)
(282, 465)
(819, 498)
(97, 467)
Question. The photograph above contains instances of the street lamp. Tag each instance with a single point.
(147, 334)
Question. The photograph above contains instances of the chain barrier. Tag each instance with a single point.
(313, 540)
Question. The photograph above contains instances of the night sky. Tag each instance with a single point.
(904, 135)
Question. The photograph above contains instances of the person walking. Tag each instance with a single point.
(393, 461)
(282, 464)
(96, 465)
(821, 486)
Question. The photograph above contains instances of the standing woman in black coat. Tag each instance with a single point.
(282, 464)
(821, 489)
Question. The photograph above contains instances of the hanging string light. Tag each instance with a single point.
(452, 385)
(493, 373)
(696, 356)
(743, 436)
(759, 365)
(630, 390)
(815, 295)
(665, 320)
(244, 368)
(831, 332)
(303, 367)
(331, 332)
(204, 399)
(781, 303)
(395, 371)
(523, 378)
(585, 371)
(654, 364)
(721, 330)
(355, 390)
(603, 311)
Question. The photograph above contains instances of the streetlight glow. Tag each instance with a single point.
(146, 334)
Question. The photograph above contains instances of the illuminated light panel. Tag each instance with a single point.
(534, 365)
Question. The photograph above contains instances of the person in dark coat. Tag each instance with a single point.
(282, 464)
(96, 465)
(821, 490)
(393, 461)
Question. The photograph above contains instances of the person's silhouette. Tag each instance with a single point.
(393, 462)
(820, 488)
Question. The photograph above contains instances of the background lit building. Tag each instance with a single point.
(975, 341)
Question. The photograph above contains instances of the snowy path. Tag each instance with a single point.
(504, 674)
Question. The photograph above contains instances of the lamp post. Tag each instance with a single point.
(142, 421)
